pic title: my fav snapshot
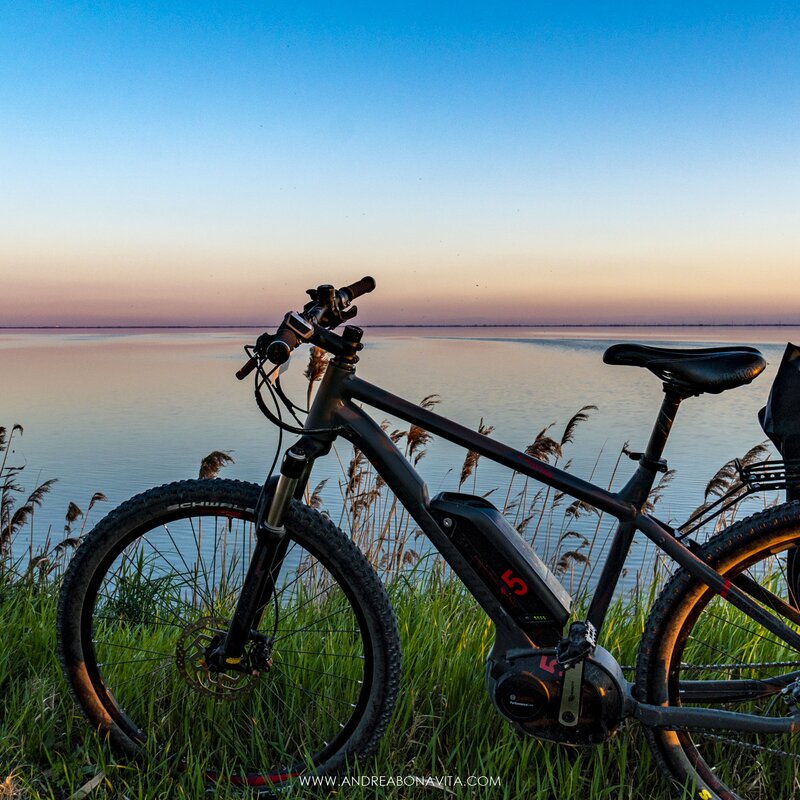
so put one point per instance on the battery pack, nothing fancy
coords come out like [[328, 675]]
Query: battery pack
[[508, 564]]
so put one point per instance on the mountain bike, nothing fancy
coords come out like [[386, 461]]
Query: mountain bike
[[230, 622]]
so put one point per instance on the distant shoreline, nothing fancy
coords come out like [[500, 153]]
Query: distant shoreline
[[415, 325]]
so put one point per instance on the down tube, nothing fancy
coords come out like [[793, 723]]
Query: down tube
[[412, 493]]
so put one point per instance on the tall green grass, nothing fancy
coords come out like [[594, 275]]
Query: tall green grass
[[444, 724]]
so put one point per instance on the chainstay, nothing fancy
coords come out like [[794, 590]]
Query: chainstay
[[710, 734], [760, 748]]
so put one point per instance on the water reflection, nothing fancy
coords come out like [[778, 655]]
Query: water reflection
[[120, 411]]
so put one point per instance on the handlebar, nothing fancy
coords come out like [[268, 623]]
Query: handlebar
[[364, 286], [327, 308], [280, 348], [244, 371]]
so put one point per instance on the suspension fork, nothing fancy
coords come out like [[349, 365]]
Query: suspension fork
[[267, 558]]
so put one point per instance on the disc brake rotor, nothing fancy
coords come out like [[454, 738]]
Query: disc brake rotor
[[190, 656]]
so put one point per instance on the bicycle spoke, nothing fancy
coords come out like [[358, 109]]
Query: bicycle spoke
[[163, 606]]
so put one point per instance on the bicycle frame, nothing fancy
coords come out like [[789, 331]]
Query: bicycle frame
[[336, 409]]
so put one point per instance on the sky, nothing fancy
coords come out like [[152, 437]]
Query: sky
[[206, 162]]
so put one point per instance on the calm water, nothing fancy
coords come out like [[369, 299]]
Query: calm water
[[120, 411]]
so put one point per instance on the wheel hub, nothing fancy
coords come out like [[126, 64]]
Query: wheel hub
[[191, 656]]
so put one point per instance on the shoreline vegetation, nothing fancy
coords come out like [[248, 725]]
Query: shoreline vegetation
[[444, 724]]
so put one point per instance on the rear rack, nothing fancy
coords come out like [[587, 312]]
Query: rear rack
[[762, 476]]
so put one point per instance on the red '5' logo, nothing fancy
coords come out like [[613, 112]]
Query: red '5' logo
[[517, 584]]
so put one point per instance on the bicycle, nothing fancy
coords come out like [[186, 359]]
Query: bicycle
[[283, 643]]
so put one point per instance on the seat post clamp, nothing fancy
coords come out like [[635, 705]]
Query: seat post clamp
[[649, 463]]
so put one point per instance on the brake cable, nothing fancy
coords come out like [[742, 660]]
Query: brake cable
[[262, 379], [288, 402]]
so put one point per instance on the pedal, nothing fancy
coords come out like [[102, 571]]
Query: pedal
[[579, 643]]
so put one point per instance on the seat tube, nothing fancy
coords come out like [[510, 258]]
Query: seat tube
[[636, 492]]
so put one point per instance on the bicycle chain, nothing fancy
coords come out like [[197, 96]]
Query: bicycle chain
[[701, 667], [738, 742]]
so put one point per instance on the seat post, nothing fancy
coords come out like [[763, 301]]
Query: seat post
[[663, 425]]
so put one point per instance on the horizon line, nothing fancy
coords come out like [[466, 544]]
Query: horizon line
[[426, 325]]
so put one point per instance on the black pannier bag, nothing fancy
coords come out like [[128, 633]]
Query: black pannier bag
[[780, 419]]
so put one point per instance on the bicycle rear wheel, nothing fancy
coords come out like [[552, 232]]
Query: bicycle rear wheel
[[693, 637], [150, 592]]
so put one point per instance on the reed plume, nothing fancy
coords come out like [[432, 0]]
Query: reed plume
[[472, 458], [5, 446], [417, 438], [315, 500], [657, 492], [73, 512], [544, 447], [97, 497], [577, 418], [317, 362], [355, 474], [568, 558], [725, 477], [23, 512], [563, 559], [578, 508], [213, 463]]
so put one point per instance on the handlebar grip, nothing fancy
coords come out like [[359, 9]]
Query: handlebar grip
[[280, 348], [358, 288], [242, 373]]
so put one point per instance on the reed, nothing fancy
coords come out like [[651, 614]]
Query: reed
[[36, 562], [443, 724]]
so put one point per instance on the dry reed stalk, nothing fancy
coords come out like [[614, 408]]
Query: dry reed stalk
[[623, 451], [317, 363], [724, 480], [544, 447], [97, 497], [471, 461], [73, 512], [417, 438], [11, 523], [5, 444]]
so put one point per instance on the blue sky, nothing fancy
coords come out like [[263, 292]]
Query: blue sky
[[191, 162]]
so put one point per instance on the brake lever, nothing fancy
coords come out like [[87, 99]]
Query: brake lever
[[349, 313]]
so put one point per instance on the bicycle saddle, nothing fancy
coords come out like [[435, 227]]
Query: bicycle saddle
[[698, 370]]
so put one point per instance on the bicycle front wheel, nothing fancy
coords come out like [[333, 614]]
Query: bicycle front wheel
[[698, 650], [150, 593]]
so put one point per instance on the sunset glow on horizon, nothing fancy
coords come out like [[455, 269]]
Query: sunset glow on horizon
[[202, 163]]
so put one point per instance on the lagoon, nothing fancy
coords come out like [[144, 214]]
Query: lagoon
[[118, 411]]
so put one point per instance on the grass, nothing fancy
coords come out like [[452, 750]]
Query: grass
[[444, 724]]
